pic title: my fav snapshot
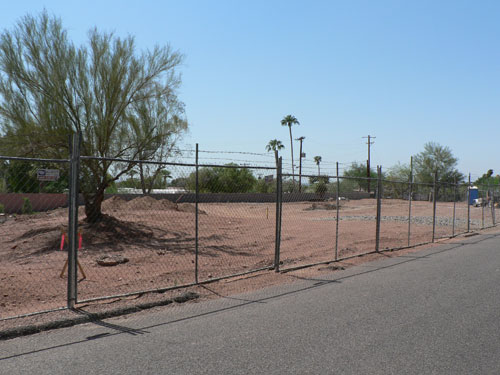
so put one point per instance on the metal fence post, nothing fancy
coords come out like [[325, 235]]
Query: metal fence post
[[454, 207], [337, 204], [278, 216], [493, 207], [379, 203], [482, 210], [410, 199], [468, 206], [73, 220], [491, 202], [196, 219], [434, 200]]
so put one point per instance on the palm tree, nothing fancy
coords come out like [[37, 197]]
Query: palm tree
[[290, 120], [274, 145], [317, 160], [164, 174]]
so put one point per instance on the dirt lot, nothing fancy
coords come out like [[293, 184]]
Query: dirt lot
[[157, 238]]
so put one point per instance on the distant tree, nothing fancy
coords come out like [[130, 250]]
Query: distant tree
[[398, 177], [222, 180], [399, 172], [288, 186], [321, 188], [436, 158], [290, 120], [317, 160], [262, 186], [115, 97], [274, 145], [488, 179], [161, 115], [357, 171]]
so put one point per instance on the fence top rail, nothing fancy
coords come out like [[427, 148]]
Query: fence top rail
[[34, 159], [175, 164]]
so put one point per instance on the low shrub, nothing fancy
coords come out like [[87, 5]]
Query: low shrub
[[27, 207]]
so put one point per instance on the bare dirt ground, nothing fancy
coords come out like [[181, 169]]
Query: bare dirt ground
[[157, 238]]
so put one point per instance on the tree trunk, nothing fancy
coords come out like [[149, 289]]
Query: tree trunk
[[93, 202], [143, 183]]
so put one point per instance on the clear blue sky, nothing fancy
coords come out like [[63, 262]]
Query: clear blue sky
[[406, 72]]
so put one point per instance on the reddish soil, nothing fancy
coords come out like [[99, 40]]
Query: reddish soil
[[158, 239]]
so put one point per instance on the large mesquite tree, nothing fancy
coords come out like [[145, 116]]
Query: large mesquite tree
[[123, 102]]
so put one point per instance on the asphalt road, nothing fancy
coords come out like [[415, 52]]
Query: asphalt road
[[432, 312]]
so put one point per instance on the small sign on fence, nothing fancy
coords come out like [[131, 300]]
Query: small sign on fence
[[47, 174]]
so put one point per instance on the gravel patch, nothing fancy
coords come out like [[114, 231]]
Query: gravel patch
[[421, 220]]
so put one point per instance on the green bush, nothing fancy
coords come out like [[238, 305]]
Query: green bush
[[320, 188], [2, 208], [27, 208]]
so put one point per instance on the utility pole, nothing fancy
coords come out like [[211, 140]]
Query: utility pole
[[300, 139], [369, 143]]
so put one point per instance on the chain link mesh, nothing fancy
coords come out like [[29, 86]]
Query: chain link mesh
[[157, 226], [33, 213]]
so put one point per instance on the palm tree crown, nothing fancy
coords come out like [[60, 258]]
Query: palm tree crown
[[290, 120], [317, 160], [274, 145]]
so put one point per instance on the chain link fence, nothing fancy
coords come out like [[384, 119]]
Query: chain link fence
[[33, 217], [166, 225]]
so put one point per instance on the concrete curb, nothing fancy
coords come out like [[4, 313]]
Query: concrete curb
[[87, 317]]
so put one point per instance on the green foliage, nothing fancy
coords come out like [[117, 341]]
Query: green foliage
[[398, 172], [358, 171], [397, 181], [275, 145], [436, 158], [27, 209], [21, 178], [289, 186], [320, 188], [146, 183], [112, 188], [261, 186], [222, 180], [2, 208], [488, 179], [124, 103]]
